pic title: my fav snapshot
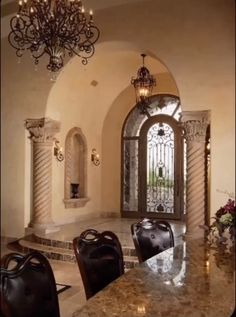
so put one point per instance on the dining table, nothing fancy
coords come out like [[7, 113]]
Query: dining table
[[192, 279]]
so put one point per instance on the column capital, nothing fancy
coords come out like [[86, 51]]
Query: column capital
[[195, 125], [43, 129]]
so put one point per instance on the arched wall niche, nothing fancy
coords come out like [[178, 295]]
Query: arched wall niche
[[75, 182]]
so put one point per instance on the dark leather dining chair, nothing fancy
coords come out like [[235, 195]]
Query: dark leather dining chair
[[100, 259], [151, 237], [27, 286]]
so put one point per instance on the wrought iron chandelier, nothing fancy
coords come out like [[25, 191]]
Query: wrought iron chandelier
[[143, 86], [53, 27]]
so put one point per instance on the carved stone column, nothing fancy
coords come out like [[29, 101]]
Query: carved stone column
[[42, 132], [195, 125]]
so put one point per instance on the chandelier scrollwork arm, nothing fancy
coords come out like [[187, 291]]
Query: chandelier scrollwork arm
[[54, 28]]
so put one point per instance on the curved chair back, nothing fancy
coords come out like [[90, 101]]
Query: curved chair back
[[151, 237], [27, 286], [100, 259]]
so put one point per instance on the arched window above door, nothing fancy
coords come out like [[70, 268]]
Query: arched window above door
[[160, 104]]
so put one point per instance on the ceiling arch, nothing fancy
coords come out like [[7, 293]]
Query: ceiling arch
[[105, 76]]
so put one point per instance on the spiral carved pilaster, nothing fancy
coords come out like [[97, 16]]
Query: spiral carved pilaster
[[42, 132], [42, 186], [195, 187], [195, 125]]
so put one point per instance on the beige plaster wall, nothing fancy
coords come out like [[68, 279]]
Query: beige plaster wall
[[194, 39], [23, 95], [82, 104]]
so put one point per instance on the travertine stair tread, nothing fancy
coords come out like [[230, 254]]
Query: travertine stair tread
[[125, 248], [130, 258], [129, 247], [44, 248], [49, 249]]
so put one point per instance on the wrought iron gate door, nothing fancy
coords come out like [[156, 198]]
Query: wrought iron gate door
[[161, 168]]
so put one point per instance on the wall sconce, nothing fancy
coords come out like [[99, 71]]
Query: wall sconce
[[58, 151], [95, 157]]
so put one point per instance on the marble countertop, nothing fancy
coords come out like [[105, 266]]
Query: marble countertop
[[189, 280]]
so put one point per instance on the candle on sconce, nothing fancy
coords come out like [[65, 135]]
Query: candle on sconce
[[207, 266], [91, 14]]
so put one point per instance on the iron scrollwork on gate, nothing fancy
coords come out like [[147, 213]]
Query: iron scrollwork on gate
[[160, 168]]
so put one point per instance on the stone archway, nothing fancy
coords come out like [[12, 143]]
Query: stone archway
[[152, 183]]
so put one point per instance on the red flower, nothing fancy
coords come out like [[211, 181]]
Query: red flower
[[228, 208], [220, 212]]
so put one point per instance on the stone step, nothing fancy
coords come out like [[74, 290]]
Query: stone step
[[130, 262], [63, 251], [127, 250], [50, 252]]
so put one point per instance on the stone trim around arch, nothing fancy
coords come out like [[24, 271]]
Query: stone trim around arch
[[75, 169]]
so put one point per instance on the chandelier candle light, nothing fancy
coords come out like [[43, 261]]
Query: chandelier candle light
[[53, 27]]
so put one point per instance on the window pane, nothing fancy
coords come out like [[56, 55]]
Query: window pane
[[130, 178], [134, 123]]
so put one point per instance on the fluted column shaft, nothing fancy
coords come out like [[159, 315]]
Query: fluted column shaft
[[42, 133], [195, 125]]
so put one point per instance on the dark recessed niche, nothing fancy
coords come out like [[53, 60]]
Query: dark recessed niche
[[75, 169]]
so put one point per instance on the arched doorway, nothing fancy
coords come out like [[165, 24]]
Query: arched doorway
[[153, 169]]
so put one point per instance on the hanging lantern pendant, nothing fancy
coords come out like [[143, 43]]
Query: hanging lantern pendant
[[143, 85]]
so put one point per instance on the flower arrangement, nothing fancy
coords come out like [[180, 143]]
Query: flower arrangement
[[224, 223]]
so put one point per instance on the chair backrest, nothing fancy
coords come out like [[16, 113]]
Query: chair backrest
[[151, 237], [27, 286], [100, 259]]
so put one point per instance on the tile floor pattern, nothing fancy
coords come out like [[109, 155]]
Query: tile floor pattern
[[68, 273]]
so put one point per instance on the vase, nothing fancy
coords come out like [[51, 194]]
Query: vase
[[74, 190]]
